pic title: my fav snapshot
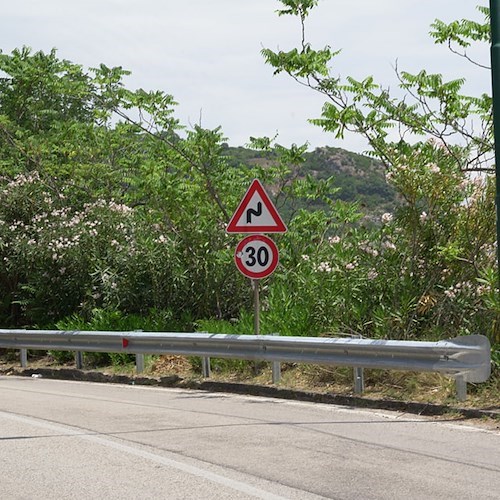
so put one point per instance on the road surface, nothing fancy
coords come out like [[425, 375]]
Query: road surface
[[64, 440]]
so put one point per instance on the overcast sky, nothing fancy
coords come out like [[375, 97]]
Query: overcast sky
[[206, 53]]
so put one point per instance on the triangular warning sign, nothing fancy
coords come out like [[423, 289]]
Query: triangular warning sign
[[256, 213]]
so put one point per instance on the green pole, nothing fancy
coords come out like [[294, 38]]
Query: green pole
[[495, 79]]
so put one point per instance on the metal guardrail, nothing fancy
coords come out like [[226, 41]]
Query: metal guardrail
[[466, 358]]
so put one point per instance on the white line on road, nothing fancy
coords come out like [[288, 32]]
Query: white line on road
[[159, 459]]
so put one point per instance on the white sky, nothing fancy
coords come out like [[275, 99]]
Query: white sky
[[206, 53]]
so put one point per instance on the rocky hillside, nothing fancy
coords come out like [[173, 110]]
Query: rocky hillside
[[360, 178]]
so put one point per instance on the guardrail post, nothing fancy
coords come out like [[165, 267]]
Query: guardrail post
[[24, 358], [139, 358], [205, 367], [139, 363], [276, 367], [79, 359], [359, 380], [461, 387], [359, 376]]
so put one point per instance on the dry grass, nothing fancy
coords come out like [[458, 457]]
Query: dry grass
[[429, 388]]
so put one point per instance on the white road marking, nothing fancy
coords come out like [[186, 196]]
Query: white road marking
[[159, 459]]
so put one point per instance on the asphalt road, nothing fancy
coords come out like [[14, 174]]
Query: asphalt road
[[64, 440]]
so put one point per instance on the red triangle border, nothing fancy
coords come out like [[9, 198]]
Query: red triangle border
[[279, 226]]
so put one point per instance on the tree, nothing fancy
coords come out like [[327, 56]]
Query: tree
[[68, 144], [429, 140], [104, 204], [430, 108]]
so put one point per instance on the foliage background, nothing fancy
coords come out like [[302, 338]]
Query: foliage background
[[110, 208]]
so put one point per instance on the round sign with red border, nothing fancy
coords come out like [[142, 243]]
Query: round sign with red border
[[256, 256]]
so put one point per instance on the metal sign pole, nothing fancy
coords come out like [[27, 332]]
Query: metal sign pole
[[256, 306], [495, 78], [256, 318]]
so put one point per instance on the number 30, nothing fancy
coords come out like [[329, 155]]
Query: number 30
[[262, 257]]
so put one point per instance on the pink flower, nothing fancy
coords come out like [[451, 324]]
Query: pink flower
[[386, 218]]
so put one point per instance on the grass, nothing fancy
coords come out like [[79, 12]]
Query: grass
[[431, 388]]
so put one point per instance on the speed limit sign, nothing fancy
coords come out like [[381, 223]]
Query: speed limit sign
[[256, 256]]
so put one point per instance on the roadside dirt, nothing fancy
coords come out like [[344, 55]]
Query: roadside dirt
[[408, 392]]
